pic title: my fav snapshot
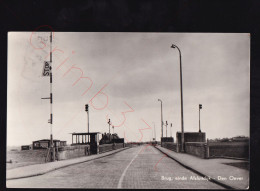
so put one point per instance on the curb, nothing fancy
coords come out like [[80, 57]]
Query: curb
[[199, 173], [45, 172], [234, 158]]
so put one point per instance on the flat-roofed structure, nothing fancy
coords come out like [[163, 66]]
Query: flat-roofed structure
[[26, 147], [82, 138], [91, 139], [45, 143]]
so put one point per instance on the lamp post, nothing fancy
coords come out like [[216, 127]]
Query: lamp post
[[200, 107], [154, 131], [182, 125], [161, 117]]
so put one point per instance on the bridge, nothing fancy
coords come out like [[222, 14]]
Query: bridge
[[146, 166]]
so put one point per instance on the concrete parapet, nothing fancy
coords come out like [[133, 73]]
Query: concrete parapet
[[229, 149], [109, 147], [105, 148], [74, 151], [199, 149], [170, 145]]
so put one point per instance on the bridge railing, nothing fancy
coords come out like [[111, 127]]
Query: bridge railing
[[199, 149], [170, 145], [109, 147]]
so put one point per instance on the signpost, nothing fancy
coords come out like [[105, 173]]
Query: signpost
[[46, 69]]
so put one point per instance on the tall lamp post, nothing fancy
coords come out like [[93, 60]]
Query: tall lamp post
[[200, 107], [182, 125], [154, 131], [161, 117]]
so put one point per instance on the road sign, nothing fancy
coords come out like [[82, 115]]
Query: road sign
[[46, 68]]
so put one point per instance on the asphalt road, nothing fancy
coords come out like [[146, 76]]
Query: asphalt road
[[138, 167]]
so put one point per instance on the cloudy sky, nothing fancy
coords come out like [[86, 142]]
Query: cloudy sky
[[124, 74]]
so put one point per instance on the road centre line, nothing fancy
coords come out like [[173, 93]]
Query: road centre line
[[123, 174]]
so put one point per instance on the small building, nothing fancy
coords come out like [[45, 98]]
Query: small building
[[45, 143], [91, 139], [26, 147]]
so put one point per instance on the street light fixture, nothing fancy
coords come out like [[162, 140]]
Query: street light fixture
[[182, 125], [161, 117]]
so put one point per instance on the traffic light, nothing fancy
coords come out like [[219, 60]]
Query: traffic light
[[200, 106], [86, 107]]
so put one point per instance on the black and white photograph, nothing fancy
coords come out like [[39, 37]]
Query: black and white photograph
[[128, 110]]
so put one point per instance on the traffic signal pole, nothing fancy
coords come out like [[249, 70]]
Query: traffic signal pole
[[200, 107], [87, 110]]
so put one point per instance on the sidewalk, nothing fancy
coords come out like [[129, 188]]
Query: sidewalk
[[214, 169], [39, 169]]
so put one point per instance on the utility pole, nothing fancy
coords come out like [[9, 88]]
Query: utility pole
[[113, 129]]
